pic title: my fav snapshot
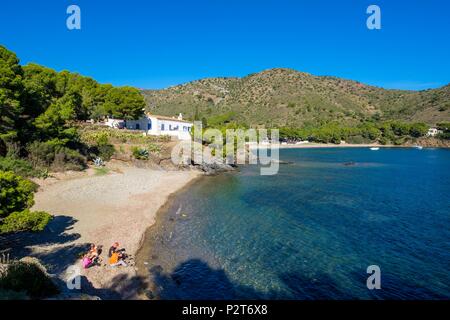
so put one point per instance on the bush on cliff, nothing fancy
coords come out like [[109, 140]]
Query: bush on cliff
[[27, 278]]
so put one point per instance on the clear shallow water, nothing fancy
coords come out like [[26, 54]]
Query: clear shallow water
[[311, 231]]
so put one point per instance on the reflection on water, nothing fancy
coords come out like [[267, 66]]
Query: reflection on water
[[311, 231]]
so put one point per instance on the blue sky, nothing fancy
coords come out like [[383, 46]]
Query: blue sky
[[154, 44]]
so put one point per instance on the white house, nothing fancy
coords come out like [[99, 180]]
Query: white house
[[115, 123], [432, 132], [162, 125]]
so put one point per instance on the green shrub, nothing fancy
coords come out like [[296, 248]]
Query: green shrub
[[444, 136], [25, 220], [16, 197], [444, 126], [16, 193], [92, 135], [418, 130], [13, 149], [28, 278], [139, 153], [399, 141], [358, 140], [41, 154], [444, 107], [102, 138], [19, 167], [154, 148], [51, 154], [400, 129], [105, 151], [68, 159], [384, 141]]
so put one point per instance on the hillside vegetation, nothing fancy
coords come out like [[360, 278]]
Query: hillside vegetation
[[288, 98], [39, 110]]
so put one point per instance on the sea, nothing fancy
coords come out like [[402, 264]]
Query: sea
[[334, 223]]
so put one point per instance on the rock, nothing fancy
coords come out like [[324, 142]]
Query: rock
[[149, 294], [156, 269], [215, 168], [37, 262]]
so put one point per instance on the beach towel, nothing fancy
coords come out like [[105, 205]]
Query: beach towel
[[86, 262]]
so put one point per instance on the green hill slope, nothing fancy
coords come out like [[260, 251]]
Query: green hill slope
[[285, 97]]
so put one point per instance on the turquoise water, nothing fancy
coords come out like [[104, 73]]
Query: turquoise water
[[311, 231]]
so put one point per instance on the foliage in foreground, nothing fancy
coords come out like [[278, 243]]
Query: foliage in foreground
[[26, 278], [16, 193], [16, 197], [25, 220]]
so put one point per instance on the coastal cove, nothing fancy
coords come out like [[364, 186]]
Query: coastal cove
[[214, 159], [309, 232]]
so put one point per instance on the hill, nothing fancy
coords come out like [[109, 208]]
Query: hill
[[285, 97]]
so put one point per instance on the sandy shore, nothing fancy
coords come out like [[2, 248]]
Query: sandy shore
[[332, 145], [89, 208]]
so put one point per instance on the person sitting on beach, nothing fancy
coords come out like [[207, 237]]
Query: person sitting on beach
[[116, 257], [113, 249], [93, 252], [86, 261]]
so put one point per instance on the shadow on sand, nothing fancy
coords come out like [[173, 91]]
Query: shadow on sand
[[56, 251], [123, 287]]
